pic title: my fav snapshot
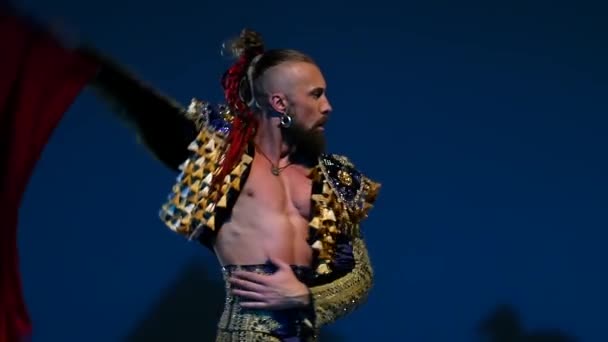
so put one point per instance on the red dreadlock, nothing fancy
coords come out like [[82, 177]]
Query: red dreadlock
[[244, 123]]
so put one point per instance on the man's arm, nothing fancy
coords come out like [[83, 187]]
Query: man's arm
[[341, 296], [160, 123], [352, 275], [331, 298]]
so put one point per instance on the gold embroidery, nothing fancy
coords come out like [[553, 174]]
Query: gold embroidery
[[345, 178], [239, 324], [342, 296], [244, 336], [370, 190]]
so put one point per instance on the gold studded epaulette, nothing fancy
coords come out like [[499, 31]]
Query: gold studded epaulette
[[341, 201], [353, 189], [192, 205]]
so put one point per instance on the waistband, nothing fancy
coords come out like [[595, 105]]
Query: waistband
[[279, 323]]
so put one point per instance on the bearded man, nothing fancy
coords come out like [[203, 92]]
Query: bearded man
[[255, 184]]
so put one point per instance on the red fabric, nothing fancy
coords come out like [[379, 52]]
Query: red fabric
[[39, 80]]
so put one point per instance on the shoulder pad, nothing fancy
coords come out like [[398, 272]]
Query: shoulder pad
[[207, 116], [353, 189]]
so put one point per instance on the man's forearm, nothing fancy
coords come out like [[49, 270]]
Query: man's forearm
[[159, 122]]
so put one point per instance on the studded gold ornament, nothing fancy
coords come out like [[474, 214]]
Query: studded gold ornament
[[345, 178]]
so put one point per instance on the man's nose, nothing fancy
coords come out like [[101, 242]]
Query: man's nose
[[326, 108]]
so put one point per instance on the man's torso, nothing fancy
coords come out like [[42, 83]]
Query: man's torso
[[269, 219]]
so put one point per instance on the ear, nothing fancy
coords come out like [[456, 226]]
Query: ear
[[278, 102]]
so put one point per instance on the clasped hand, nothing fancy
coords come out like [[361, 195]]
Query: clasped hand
[[277, 291]]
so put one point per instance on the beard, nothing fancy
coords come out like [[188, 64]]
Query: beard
[[309, 143]]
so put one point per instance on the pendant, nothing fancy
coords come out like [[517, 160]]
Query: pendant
[[275, 170]]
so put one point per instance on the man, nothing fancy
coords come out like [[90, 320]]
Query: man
[[281, 217]]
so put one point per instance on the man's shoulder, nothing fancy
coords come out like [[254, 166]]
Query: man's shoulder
[[341, 167], [351, 185], [207, 116]]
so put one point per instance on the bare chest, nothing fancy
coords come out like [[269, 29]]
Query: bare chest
[[288, 192]]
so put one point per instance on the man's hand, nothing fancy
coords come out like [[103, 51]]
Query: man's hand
[[277, 291]]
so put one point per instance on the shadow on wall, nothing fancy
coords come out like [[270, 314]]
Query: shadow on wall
[[189, 310], [504, 325]]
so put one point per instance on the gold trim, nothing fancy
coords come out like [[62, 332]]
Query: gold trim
[[343, 295]]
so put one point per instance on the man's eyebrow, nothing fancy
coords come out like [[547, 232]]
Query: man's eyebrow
[[317, 89]]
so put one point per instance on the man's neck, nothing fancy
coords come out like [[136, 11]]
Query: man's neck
[[269, 138]]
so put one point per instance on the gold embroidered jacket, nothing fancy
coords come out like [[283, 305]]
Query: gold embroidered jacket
[[193, 142], [341, 198]]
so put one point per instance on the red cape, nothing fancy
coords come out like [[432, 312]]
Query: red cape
[[39, 80]]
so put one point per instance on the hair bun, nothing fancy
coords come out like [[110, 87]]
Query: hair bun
[[247, 41]]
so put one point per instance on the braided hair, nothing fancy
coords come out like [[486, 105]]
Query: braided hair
[[236, 84]]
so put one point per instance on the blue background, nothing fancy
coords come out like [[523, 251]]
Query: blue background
[[486, 124]]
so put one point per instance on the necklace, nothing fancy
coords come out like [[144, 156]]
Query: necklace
[[275, 169]]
